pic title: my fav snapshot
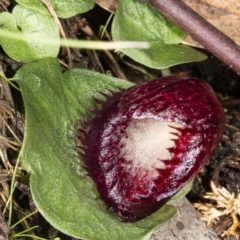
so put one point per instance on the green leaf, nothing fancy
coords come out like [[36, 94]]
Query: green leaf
[[138, 21], [63, 8], [36, 5], [182, 193], [31, 24], [164, 56], [64, 194]]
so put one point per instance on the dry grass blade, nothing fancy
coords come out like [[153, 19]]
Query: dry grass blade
[[10, 144]]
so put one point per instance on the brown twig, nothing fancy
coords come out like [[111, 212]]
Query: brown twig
[[202, 31], [109, 57], [57, 21]]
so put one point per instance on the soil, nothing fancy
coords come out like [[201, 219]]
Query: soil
[[223, 168]]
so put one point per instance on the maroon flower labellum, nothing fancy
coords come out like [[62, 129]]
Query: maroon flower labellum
[[145, 143]]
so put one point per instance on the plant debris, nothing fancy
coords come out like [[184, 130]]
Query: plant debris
[[224, 203]]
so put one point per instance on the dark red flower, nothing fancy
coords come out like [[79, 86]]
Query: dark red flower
[[145, 143]]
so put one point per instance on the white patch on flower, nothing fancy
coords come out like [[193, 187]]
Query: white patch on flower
[[146, 144]]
